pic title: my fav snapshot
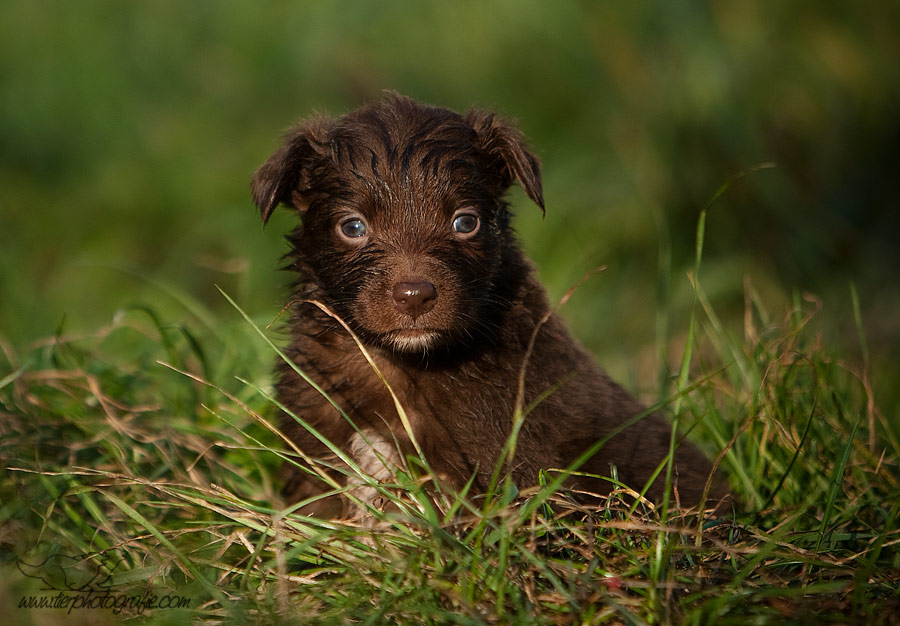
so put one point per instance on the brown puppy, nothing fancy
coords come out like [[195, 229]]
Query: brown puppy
[[405, 236]]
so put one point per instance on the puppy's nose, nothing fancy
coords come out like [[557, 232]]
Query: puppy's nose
[[414, 298]]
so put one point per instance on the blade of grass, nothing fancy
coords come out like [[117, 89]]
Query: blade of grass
[[793, 460], [864, 350], [838, 474], [10, 378]]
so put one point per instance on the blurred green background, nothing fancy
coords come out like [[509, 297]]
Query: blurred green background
[[129, 133]]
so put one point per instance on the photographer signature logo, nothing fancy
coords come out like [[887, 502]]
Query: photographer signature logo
[[83, 583], [61, 572]]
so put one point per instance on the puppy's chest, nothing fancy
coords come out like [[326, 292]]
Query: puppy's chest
[[436, 402], [445, 406]]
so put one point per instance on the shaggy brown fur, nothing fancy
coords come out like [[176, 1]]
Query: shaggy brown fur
[[405, 236]]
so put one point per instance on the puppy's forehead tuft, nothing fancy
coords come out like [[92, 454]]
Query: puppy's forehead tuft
[[398, 134]]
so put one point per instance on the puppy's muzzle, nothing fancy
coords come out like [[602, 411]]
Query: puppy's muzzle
[[414, 298]]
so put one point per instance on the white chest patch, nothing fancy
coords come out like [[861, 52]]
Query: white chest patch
[[377, 456]]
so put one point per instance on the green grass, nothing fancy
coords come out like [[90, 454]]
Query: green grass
[[145, 453]]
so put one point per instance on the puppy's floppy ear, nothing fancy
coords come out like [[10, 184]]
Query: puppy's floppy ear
[[500, 139], [281, 178]]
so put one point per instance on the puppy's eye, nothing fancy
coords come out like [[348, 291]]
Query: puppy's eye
[[353, 228], [465, 224]]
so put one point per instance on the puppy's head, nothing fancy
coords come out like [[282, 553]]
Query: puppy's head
[[404, 227]]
